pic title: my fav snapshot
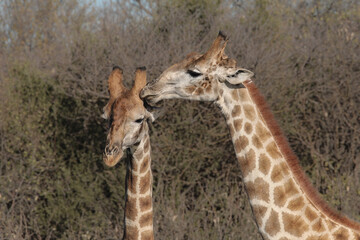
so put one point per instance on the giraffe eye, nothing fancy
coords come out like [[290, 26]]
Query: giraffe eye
[[194, 73], [140, 120]]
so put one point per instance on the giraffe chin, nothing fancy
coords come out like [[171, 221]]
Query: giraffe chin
[[153, 102], [112, 160]]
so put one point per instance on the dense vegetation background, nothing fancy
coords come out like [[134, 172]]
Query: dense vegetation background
[[55, 57]]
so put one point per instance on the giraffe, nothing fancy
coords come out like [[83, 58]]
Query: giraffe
[[128, 127], [284, 203]]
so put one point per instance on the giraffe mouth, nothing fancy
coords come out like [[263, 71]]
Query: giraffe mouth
[[152, 102], [112, 159]]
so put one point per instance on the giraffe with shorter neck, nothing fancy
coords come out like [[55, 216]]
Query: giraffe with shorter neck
[[283, 201], [128, 127]]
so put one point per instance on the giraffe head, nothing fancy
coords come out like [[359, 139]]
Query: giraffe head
[[198, 76], [126, 113]]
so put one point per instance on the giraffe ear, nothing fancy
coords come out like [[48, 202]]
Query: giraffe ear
[[140, 80], [239, 76], [116, 87]]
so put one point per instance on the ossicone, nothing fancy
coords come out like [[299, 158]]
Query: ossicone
[[223, 35], [140, 80], [117, 67], [115, 87]]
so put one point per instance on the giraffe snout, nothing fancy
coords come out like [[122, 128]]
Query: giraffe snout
[[112, 154], [111, 150]]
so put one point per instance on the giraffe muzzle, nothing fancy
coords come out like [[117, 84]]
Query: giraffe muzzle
[[111, 150], [112, 155], [152, 101]]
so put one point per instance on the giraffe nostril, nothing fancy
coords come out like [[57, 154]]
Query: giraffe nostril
[[111, 150], [107, 150], [115, 150]]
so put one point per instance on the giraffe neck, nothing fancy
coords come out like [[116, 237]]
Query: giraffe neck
[[284, 204], [138, 204]]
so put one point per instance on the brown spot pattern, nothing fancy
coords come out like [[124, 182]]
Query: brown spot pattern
[[238, 124], [199, 91], [147, 235], [235, 95], [310, 214], [262, 132], [208, 88], [282, 193], [236, 111], [296, 204], [249, 112], [247, 163], [259, 189], [134, 166], [138, 155], [145, 203], [146, 219], [256, 141], [264, 164], [357, 235], [279, 196], [190, 89], [241, 143], [331, 225], [285, 168], [273, 150], [279, 172], [130, 208], [322, 237], [131, 233], [145, 183], [276, 174], [259, 212], [341, 234], [318, 226], [294, 225], [272, 225], [290, 188], [244, 96], [146, 145], [248, 128], [145, 165]]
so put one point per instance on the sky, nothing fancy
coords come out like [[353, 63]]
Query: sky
[[98, 2]]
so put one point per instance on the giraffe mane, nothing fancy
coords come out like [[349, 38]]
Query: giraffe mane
[[293, 161]]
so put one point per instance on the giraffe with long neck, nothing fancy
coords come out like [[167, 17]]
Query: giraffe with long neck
[[128, 127], [284, 203]]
